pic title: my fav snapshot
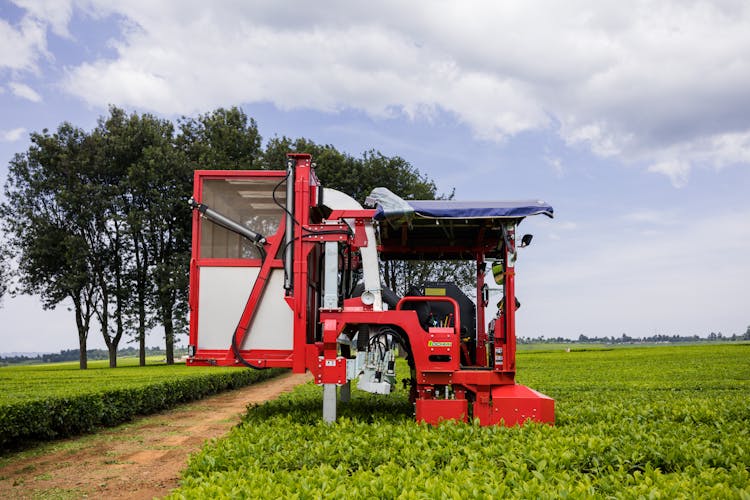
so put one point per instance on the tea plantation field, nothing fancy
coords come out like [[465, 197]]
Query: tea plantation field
[[653, 422], [39, 402]]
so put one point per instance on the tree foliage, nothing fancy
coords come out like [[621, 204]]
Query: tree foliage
[[48, 224], [146, 183], [4, 273], [357, 177], [222, 139], [100, 218]]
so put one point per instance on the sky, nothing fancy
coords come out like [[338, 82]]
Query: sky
[[632, 119]]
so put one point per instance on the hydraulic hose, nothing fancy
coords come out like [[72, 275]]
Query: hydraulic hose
[[222, 220]]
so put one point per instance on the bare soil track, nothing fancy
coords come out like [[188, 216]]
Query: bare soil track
[[140, 459]]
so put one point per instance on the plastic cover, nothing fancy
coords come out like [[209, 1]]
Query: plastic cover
[[394, 208], [389, 205]]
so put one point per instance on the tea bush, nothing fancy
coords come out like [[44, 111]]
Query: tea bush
[[51, 401], [657, 422]]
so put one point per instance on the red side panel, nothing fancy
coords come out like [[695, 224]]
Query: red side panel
[[432, 411], [514, 404]]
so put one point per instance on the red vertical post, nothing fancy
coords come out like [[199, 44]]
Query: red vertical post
[[509, 356], [299, 269], [195, 248], [481, 339]]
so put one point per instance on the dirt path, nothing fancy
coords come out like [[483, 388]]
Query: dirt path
[[140, 459]]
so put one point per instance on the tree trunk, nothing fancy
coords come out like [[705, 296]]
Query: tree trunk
[[387, 275], [141, 268], [120, 294], [83, 361], [119, 300], [112, 348], [141, 327], [83, 334], [169, 335], [104, 320], [166, 294], [116, 339]]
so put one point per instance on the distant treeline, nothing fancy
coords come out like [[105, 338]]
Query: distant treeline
[[626, 339], [91, 354]]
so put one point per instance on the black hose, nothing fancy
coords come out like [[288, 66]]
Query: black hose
[[235, 347], [238, 355]]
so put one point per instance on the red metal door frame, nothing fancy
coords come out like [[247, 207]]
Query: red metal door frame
[[225, 357]]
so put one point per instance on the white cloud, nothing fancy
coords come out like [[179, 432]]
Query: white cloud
[[652, 217], [678, 171], [562, 230], [56, 13], [25, 43], [732, 147], [12, 135], [649, 84], [22, 46], [596, 136], [24, 91], [556, 164]]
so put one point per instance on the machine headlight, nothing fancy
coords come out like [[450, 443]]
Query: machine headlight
[[368, 298]]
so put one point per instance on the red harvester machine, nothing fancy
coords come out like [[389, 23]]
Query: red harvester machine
[[285, 273]]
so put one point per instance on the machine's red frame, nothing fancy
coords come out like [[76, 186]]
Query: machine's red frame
[[488, 385]]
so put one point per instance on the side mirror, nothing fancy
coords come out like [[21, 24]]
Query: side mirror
[[526, 240]]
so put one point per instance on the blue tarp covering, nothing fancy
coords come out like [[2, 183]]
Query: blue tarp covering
[[479, 209], [389, 206]]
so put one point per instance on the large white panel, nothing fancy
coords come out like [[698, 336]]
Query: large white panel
[[273, 323], [222, 297]]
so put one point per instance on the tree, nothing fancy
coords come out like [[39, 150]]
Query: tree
[[334, 169], [222, 139], [151, 207], [101, 219], [107, 239], [168, 227], [45, 226], [357, 177], [4, 272], [396, 174], [400, 177]]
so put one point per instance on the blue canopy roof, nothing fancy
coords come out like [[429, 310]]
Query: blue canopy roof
[[446, 229], [449, 209], [390, 207]]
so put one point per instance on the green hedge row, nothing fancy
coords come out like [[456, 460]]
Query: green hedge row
[[56, 417]]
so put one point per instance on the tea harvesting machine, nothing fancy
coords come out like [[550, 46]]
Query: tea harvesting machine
[[286, 273]]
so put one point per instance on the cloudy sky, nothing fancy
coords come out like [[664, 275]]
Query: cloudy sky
[[631, 118]]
